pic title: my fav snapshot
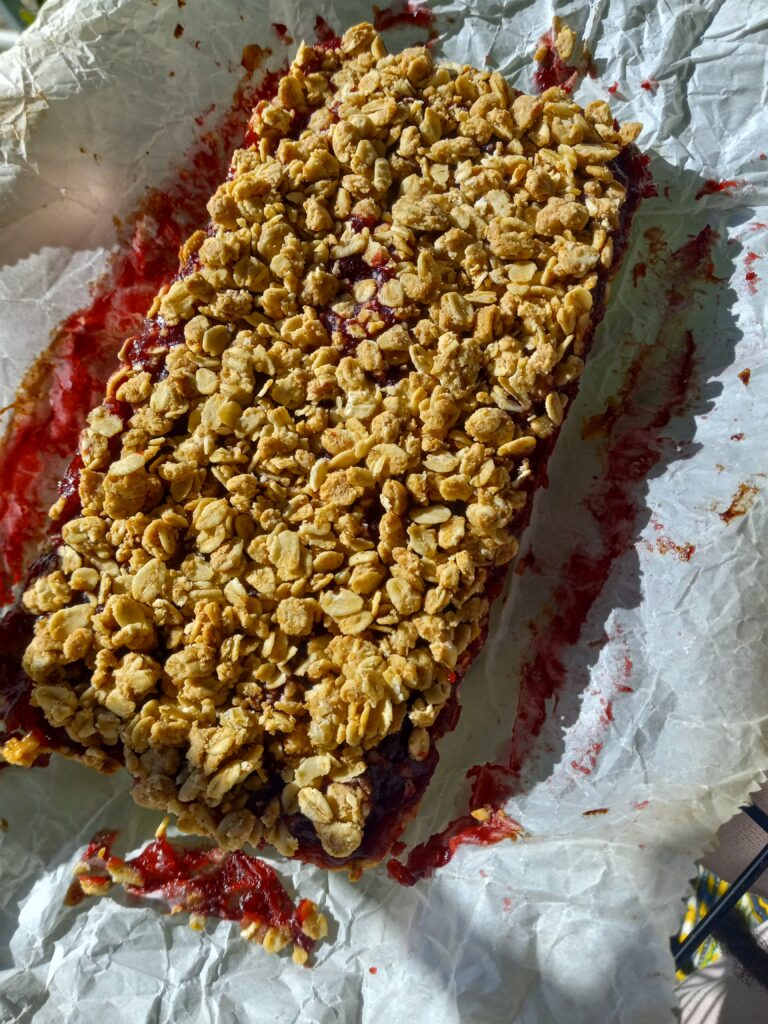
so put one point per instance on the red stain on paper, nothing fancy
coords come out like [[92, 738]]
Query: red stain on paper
[[68, 379], [405, 13], [751, 275], [282, 33], [712, 186], [200, 880], [639, 270], [425, 859], [664, 545]]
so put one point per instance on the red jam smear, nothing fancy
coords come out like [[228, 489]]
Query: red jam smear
[[633, 426], [438, 850], [751, 275], [712, 186], [325, 35], [406, 13], [73, 371], [207, 881], [350, 270], [552, 70]]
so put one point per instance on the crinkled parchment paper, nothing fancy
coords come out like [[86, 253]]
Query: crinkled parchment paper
[[572, 923]]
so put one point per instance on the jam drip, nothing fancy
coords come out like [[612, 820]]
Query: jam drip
[[552, 70], [199, 880], [68, 380], [493, 784]]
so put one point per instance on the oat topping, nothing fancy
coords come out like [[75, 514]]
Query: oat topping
[[290, 517]]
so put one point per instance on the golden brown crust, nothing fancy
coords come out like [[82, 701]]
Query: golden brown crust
[[285, 543]]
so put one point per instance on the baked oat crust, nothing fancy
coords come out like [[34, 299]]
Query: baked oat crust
[[313, 461]]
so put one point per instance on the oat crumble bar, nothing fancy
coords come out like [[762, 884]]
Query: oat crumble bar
[[290, 515]]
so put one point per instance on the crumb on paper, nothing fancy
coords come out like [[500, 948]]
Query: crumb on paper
[[741, 502]]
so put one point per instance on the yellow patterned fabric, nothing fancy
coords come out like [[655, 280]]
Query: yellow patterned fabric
[[707, 889]]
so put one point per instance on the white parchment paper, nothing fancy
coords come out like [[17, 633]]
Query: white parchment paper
[[572, 923]]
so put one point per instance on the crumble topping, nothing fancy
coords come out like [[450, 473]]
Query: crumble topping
[[292, 510]]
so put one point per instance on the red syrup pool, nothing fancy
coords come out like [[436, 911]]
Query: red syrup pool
[[199, 880]]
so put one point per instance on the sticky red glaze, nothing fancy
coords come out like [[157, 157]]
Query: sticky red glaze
[[639, 270], [282, 32], [203, 880], [404, 13], [435, 853], [712, 185], [325, 35], [350, 270], [44, 430], [551, 70]]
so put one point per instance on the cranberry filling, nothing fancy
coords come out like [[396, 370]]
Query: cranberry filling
[[203, 880], [350, 270], [552, 71]]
